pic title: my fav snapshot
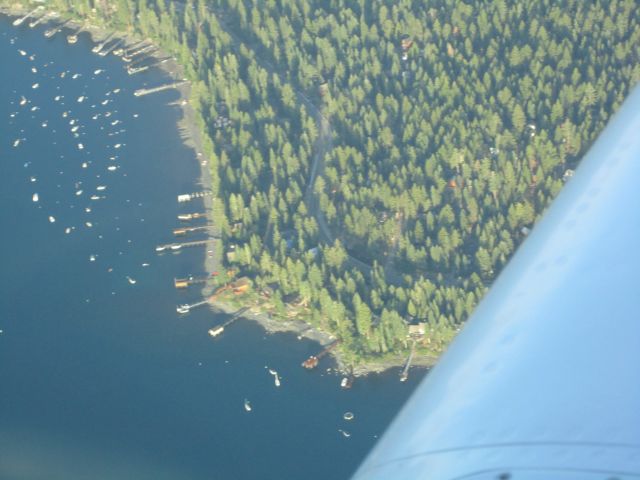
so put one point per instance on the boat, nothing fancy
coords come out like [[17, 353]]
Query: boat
[[131, 280], [159, 249], [176, 247], [182, 308], [100, 188], [345, 433], [35, 197], [277, 380], [71, 39], [52, 219], [346, 382], [348, 416], [214, 332], [247, 405], [185, 217]]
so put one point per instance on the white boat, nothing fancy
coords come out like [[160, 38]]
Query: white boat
[[131, 280], [71, 39], [16, 143], [100, 188], [94, 197], [35, 197], [23, 101], [182, 309], [52, 219], [247, 405], [348, 416], [176, 247], [78, 192], [214, 332], [112, 168], [277, 380], [159, 249]]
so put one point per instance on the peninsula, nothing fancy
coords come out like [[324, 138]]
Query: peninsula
[[373, 165]]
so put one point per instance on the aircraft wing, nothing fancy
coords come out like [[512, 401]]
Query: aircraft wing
[[544, 380]]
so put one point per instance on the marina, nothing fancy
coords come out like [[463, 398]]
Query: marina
[[113, 305]]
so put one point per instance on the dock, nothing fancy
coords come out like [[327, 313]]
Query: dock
[[108, 50], [101, 45], [185, 217], [147, 91], [405, 371], [52, 31], [178, 232], [38, 20], [127, 57], [187, 307], [313, 360], [133, 70], [219, 329], [178, 246], [191, 280], [18, 21], [187, 197]]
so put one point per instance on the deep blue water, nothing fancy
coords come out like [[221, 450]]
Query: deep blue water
[[100, 378]]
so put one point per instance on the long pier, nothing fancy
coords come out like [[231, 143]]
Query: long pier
[[191, 280], [146, 49], [185, 217], [187, 307], [218, 329], [186, 197], [405, 371], [146, 91], [178, 246], [183, 231]]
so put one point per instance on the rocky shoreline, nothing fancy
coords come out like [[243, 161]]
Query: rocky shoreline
[[192, 138]]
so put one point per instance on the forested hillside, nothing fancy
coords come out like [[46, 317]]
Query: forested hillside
[[376, 163]]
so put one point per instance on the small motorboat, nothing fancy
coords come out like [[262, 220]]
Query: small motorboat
[[247, 405]]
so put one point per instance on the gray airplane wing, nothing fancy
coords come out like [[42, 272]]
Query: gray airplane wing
[[544, 380]]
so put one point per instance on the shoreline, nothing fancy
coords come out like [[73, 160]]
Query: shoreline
[[191, 137]]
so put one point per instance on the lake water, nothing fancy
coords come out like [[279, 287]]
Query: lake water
[[99, 377]]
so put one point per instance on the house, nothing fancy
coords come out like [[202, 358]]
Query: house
[[417, 331]]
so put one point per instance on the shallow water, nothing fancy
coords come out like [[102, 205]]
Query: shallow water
[[100, 378]]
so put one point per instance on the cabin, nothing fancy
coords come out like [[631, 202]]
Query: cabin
[[406, 43], [241, 285], [417, 331]]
